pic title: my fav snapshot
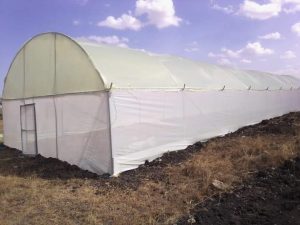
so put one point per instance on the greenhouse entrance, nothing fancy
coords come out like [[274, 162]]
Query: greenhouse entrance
[[28, 129]]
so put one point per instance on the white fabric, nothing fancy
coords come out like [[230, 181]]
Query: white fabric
[[12, 124], [82, 129], [50, 64], [145, 124], [53, 63], [129, 68]]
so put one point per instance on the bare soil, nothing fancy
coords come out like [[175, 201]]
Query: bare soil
[[175, 188], [271, 197]]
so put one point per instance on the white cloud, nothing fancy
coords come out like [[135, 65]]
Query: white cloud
[[160, 13], [226, 9], [254, 48], [296, 28], [247, 61], [257, 49], [76, 22], [271, 36], [226, 53], [258, 11], [269, 9], [288, 55], [224, 62], [292, 6], [216, 55], [109, 40], [230, 57], [294, 9], [292, 1], [192, 47], [231, 53], [126, 21]]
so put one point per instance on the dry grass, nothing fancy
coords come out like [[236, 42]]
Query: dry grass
[[231, 159]]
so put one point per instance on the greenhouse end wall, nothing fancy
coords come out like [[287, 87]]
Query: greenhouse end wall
[[73, 128]]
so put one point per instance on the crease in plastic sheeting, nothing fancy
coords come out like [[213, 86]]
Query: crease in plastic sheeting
[[86, 158], [93, 151]]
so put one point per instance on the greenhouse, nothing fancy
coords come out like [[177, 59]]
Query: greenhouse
[[108, 109]]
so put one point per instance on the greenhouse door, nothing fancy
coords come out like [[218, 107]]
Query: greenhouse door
[[28, 129]]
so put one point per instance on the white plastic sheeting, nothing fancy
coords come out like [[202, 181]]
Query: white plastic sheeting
[[52, 64], [72, 128], [145, 124], [129, 68], [108, 109]]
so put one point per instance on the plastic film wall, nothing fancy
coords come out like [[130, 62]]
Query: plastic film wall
[[145, 124], [72, 128], [50, 64]]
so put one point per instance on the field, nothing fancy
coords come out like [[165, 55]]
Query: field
[[246, 177]]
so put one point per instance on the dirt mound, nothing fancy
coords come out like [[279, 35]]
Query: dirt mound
[[285, 124], [271, 197], [13, 162]]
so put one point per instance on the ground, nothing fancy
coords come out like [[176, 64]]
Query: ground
[[227, 180], [270, 197]]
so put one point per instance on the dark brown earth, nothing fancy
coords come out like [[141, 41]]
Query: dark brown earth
[[270, 197], [15, 163]]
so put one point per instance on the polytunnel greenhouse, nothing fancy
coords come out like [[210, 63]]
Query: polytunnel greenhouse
[[109, 109]]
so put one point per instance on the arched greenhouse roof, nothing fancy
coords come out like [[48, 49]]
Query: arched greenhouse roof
[[52, 64]]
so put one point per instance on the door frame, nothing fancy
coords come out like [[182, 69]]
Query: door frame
[[35, 127]]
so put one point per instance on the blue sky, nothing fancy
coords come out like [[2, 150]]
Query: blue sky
[[262, 35]]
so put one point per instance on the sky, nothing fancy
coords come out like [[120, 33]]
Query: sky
[[249, 34]]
